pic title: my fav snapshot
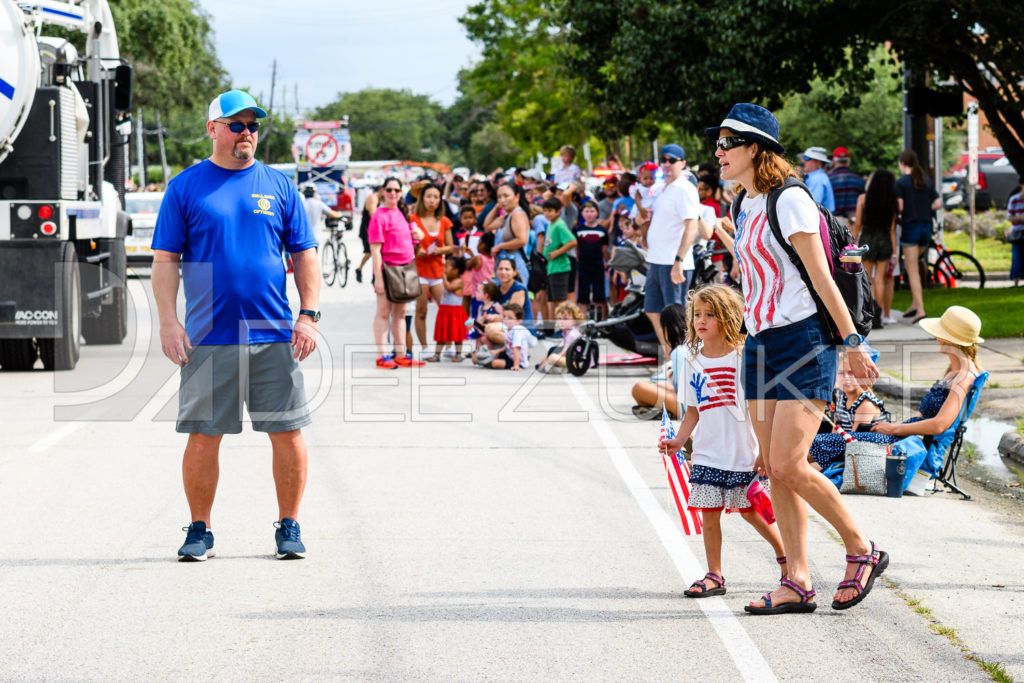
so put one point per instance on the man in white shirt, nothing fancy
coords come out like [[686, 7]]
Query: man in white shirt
[[670, 239], [316, 209]]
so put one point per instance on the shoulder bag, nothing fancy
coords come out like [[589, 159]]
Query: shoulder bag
[[401, 283], [864, 471]]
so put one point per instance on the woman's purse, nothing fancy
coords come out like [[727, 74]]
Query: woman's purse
[[864, 471], [401, 283]]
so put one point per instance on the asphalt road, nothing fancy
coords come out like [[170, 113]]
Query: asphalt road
[[462, 524]]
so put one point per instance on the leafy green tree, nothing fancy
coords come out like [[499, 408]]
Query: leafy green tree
[[491, 147], [537, 100], [871, 131], [170, 47], [689, 61], [389, 124]]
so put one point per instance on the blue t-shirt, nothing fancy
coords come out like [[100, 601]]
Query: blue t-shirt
[[821, 188], [230, 228]]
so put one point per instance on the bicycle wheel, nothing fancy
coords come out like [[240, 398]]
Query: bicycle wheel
[[959, 269], [343, 264], [328, 263]]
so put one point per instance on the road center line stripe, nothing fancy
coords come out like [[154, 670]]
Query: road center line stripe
[[55, 436], [745, 655]]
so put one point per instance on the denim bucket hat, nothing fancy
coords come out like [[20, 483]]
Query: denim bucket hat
[[753, 122]]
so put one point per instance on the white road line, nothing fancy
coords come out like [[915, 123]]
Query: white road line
[[55, 436], [745, 655]]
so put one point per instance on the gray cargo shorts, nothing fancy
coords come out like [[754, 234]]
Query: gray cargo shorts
[[219, 379]]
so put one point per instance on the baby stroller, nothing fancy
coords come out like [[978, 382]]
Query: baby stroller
[[626, 325]]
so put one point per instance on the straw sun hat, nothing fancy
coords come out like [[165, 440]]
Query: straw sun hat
[[958, 325]]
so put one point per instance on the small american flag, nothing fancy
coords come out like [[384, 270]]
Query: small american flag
[[678, 472]]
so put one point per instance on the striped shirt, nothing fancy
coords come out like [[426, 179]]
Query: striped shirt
[[846, 187]]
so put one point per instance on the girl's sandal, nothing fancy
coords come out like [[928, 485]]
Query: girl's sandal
[[704, 591], [433, 359], [805, 606], [878, 559], [457, 359]]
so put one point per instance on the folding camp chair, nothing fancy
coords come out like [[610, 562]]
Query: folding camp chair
[[947, 474], [937, 455]]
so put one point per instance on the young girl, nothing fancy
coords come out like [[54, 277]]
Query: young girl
[[489, 311], [479, 268], [725, 447], [568, 316], [449, 325]]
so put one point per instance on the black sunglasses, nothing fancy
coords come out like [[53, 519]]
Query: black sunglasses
[[237, 126], [392, 189], [669, 160], [725, 144]]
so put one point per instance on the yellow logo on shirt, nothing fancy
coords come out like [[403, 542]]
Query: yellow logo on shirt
[[263, 202]]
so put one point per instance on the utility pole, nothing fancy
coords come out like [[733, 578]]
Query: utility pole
[[163, 150], [270, 117], [140, 150], [296, 98]]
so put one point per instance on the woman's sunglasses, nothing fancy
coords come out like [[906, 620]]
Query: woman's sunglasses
[[237, 127], [389, 190], [725, 144]]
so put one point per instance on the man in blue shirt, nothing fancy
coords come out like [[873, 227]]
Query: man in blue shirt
[[815, 160], [226, 221]]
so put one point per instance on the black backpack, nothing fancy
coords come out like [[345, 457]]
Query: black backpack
[[855, 288]]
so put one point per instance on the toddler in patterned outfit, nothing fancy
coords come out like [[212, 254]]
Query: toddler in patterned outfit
[[725, 449]]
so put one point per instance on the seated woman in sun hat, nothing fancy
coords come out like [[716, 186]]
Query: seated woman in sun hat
[[957, 334]]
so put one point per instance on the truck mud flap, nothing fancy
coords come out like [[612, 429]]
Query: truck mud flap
[[30, 297]]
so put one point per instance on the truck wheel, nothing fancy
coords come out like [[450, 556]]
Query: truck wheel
[[111, 326], [63, 353], [17, 354]]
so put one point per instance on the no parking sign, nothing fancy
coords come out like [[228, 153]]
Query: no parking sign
[[322, 149]]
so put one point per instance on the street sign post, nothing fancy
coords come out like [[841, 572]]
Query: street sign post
[[972, 159]]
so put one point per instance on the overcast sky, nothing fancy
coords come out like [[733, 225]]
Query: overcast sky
[[332, 46]]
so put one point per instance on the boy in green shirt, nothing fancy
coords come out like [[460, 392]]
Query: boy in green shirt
[[558, 240]]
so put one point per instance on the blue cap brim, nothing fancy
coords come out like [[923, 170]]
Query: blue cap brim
[[259, 111]]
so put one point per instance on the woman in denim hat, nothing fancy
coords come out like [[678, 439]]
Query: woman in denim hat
[[789, 364]]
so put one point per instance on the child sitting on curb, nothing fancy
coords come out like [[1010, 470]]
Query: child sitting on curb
[[568, 316], [518, 340]]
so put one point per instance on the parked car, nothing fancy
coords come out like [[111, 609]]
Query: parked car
[[997, 180], [143, 208]]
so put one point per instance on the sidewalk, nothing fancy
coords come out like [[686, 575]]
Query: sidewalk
[[910, 364]]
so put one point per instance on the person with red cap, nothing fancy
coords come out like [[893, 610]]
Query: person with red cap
[[846, 185]]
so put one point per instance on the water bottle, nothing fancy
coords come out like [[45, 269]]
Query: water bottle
[[850, 256], [760, 500], [895, 473]]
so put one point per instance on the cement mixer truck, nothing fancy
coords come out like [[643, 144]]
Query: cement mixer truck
[[64, 131]]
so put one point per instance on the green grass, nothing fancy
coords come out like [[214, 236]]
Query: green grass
[[994, 255], [998, 308]]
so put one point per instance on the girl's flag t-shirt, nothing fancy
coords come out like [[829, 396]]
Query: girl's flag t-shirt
[[231, 228]]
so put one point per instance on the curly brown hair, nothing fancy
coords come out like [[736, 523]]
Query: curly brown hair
[[726, 305], [770, 171]]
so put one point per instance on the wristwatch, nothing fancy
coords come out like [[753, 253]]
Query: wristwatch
[[315, 315], [679, 259], [854, 340]]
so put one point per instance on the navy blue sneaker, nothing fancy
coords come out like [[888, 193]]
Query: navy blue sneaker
[[198, 543], [289, 540]]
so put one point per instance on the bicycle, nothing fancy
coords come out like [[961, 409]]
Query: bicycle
[[334, 261], [943, 268]]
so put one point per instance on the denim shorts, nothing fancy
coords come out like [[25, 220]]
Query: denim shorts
[[790, 363], [660, 291], [917, 234]]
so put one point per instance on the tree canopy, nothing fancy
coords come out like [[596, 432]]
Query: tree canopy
[[691, 60]]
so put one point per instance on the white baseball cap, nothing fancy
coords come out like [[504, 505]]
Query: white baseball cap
[[232, 102]]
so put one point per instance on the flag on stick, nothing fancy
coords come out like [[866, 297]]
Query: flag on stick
[[678, 472]]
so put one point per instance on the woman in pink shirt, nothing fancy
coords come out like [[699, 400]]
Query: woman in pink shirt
[[392, 241]]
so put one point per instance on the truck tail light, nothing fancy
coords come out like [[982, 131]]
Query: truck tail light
[[48, 228], [45, 212]]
